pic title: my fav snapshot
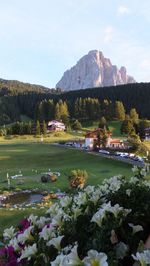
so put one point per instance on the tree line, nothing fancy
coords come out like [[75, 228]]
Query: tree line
[[91, 102]]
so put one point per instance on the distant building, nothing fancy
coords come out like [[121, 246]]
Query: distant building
[[91, 137], [115, 143], [55, 125]]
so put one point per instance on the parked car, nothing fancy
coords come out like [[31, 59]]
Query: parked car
[[104, 151], [69, 144]]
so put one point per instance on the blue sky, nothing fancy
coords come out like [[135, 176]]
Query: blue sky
[[40, 39]]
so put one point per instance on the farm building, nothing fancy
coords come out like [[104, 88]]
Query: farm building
[[55, 125], [91, 137]]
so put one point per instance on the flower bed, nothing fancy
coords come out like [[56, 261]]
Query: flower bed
[[99, 226]]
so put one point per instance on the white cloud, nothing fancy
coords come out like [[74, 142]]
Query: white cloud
[[108, 34], [123, 10]]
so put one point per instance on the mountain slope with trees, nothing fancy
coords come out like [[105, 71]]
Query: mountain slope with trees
[[81, 104], [14, 87]]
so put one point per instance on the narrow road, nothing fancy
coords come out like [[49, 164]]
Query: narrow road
[[117, 158]]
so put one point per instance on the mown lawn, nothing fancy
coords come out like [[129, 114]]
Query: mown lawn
[[31, 159]]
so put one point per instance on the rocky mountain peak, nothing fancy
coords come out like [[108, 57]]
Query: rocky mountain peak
[[93, 70]]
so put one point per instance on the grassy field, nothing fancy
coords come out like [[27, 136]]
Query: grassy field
[[115, 126], [50, 138], [33, 159]]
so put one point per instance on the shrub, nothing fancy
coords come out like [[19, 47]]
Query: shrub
[[76, 125], [45, 178], [53, 178], [78, 178]]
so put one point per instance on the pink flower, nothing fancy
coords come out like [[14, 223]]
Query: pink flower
[[8, 256], [23, 225]]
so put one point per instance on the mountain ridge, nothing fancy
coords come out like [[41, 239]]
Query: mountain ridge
[[93, 70]]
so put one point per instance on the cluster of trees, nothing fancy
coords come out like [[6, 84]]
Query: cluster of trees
[[47, 110], [82, 109], [25, 128], [20, 128], [132, 124]]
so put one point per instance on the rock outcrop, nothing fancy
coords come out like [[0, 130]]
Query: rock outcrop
[[93, 70]]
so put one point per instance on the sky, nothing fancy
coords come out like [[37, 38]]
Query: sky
[[40, 39]]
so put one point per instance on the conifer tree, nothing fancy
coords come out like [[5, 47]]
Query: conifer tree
[[119, 110], [30, 128], [134, 115], [127, 126], [57, 112], [102, 123], [44, 128], [77, 125], [38, 129]]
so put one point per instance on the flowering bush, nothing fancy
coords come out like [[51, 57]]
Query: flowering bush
[[98, 226]]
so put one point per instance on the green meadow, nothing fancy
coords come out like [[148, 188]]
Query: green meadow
[[32, 159]]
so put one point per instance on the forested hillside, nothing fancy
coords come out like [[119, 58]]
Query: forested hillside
[[22, 101], [14, 87]]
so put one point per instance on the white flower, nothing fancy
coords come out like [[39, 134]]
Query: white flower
[[106, 207], [55, 242], [57, 219], [73, 258], [128, 192], [14, 243], [41, 222], [26, 235], [146, 183], [143, 172], [112, 184], [64, 202], [9, 233], [134, 180], [116, 209], [53, 210], [76, 212], [47, 233], [134, 169], [32, 218], [100, 214], [89, 189], [136, 228], [94, 198], [95, 259], [143, 257], [61, 260], [28, 252], [81, 199]]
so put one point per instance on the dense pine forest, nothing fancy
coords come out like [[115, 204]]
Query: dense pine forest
[[38, 102]]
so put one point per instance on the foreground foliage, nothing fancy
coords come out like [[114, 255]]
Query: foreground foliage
[[103, 225]]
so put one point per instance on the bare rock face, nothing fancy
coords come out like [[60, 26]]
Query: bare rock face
[[93, 70]]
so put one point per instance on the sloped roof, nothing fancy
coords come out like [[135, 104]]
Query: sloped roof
[[93, 134]]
